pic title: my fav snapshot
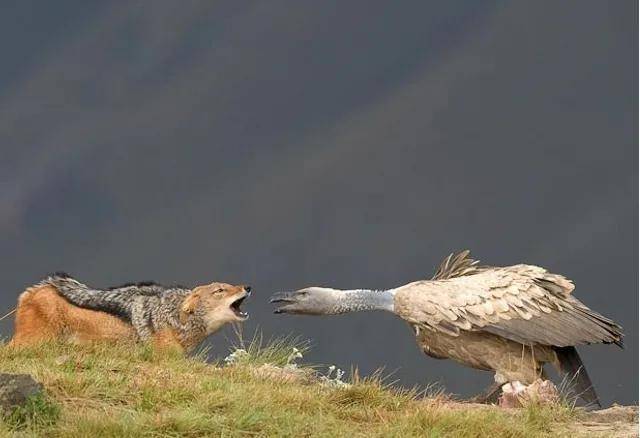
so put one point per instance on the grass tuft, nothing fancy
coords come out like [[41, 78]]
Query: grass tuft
[[280, 351], [38, 412]]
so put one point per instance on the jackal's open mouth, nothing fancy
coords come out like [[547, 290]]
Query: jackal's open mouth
[[236, 308]]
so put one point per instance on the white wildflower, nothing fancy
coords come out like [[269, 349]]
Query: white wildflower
[[291, 360], [336, 381], [236, 356]]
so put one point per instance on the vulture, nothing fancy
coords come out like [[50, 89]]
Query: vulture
[[509, 320]]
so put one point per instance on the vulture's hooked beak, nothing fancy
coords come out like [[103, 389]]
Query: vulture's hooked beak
[[288, 298]]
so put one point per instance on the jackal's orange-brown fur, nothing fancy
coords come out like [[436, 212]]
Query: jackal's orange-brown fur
[[43, 314]]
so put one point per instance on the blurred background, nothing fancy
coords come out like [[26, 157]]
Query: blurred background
[[348, 144]]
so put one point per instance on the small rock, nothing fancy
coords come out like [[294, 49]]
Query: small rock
[[286, 374], [15, 389]]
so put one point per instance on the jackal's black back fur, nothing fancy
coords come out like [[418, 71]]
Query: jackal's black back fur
[[144, 298]]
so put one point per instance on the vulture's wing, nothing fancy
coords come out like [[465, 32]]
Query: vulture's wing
[[523, 303]]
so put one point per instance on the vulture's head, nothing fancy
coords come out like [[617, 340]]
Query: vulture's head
[[308, 301]]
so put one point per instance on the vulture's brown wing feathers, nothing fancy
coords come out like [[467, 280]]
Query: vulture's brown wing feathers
[[573, 325], [523, 303]]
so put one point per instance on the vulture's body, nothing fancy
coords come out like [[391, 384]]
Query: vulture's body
[[510, 320]]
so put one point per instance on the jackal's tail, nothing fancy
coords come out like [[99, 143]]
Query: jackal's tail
[[114, 302]]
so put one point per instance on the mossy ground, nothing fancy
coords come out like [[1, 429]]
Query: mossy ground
[[130, 390]]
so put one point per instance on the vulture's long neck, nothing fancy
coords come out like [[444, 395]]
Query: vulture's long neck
[[357, 300]]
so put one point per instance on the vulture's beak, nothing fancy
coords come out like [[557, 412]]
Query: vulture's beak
[[287, 298]]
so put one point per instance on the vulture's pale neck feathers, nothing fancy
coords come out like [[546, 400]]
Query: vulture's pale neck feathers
[[357, 300]]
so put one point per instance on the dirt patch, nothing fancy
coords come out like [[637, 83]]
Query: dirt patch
[[616, 421]]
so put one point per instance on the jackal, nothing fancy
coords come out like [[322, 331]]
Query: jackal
[[61, 307]]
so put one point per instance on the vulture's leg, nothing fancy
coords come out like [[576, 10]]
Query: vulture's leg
[[489, 395]]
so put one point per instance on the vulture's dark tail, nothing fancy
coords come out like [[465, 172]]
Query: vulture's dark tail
[[575, 373]]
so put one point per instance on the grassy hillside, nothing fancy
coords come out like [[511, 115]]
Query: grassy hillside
[[124, 390]]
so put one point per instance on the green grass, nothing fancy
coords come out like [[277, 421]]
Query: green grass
[[124, 390], [39, 411]]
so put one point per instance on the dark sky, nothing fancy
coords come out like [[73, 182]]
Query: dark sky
[[348, 144]]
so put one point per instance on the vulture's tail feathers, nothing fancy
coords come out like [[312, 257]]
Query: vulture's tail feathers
[[573, 370]]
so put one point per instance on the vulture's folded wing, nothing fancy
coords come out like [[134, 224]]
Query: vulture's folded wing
[[523, 303]]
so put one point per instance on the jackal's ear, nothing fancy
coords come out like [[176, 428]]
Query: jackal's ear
[[189, 305]]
